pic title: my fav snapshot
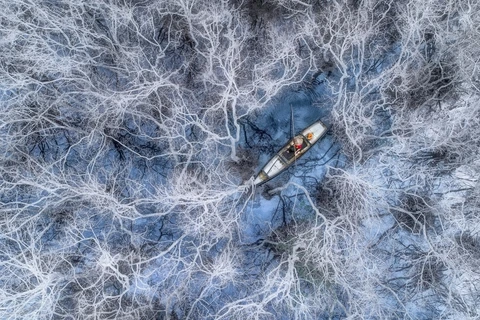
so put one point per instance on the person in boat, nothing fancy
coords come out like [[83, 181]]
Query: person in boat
[[297, 144]]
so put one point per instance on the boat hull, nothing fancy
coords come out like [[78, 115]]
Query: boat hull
[[287, 155]]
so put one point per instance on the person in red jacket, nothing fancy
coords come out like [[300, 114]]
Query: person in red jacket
[[298, 143]]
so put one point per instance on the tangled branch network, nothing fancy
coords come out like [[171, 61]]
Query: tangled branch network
[[129, 131]]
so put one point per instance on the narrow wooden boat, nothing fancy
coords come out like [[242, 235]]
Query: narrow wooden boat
[[292, 151]]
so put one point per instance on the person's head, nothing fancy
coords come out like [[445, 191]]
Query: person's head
[[310, 135], [298, 140]]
